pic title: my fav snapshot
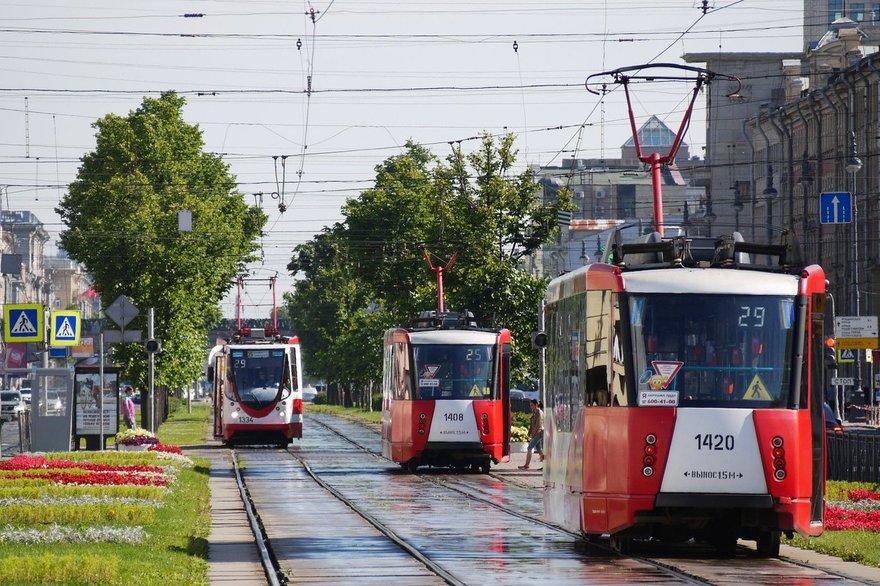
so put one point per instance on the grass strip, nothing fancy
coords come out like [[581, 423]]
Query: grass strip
[[66, 514], [73, 569]]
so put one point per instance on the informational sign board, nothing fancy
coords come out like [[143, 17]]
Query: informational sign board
[[856, 332], [91, 402]]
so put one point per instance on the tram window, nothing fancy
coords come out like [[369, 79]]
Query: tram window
[[714, 350], [597, 387], [456, 371], [401, 371]]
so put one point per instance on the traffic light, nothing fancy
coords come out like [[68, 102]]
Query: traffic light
[[153, 346], [539, 340], [830, 354]]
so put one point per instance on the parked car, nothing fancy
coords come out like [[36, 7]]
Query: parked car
[[520, 399], [26, 392], [309, 394], [833, 425], [11, 405]]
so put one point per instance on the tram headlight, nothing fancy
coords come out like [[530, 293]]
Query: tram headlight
[[779, 474], [647, 471], [234, 414]]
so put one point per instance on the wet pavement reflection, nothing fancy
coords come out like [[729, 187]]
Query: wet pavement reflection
[[475, 542]]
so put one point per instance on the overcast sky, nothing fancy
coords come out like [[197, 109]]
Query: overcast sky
[[381, 73]]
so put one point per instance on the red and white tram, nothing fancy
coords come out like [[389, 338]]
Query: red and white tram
[[256, 383], [257, 389], [684, 394], [446, 393]]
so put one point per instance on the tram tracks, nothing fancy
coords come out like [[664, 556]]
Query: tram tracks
[[339, 454]]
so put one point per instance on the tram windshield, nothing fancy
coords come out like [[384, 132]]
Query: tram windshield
[[258, 375], [712, 350], [460, 371]]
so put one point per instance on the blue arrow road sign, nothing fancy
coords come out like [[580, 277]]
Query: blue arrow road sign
[[835, 207]]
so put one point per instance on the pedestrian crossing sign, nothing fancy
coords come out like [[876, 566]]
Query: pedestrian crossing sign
[[23, 323], [65, 328]]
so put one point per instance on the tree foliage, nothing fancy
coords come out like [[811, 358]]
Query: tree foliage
[[369, 272], [121, 217]]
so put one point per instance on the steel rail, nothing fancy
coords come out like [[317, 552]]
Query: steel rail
[[270, 565]]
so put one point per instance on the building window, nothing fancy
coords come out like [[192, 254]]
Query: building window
[[626, 201], [857, 11], [875, 12], [835, 10]]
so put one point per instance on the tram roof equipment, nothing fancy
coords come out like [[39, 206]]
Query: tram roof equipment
[[652, 251]]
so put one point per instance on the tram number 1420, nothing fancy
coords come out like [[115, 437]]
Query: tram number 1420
[[708, 441]]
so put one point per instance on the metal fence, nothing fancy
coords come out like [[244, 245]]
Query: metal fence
[[854, 457]]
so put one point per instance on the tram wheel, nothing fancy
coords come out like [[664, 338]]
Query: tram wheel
[[725, 545], [622, 545], [485, 467], [411, 466], [768, 543]]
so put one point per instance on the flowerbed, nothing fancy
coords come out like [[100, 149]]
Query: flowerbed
[[135, 437], [860, 512], [67, 497]]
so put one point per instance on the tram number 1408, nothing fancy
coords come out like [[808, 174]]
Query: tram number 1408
[[716, 441], [454, 417]]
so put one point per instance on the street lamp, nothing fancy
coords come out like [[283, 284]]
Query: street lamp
[[770, 193], [853, 166], [737, 203]]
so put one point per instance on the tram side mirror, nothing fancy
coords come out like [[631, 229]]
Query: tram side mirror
[[539, 340]]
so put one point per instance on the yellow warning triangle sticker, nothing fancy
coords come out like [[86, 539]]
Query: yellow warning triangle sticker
[[475, 392], [757, 391]]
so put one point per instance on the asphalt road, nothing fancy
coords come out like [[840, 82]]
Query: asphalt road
[[10, 444]]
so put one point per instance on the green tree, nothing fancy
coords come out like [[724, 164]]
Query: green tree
[[121, 217], [374, 275], [498, 221]]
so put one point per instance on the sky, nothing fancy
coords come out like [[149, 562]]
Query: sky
[[304, 99]]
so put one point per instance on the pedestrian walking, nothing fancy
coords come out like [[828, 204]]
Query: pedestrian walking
[[536, 434], [128, 408]]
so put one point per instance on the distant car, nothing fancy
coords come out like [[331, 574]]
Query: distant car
[[521, 394], [833, 425], [55, 403], [26, 394], [11, 405], [309, 393]]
